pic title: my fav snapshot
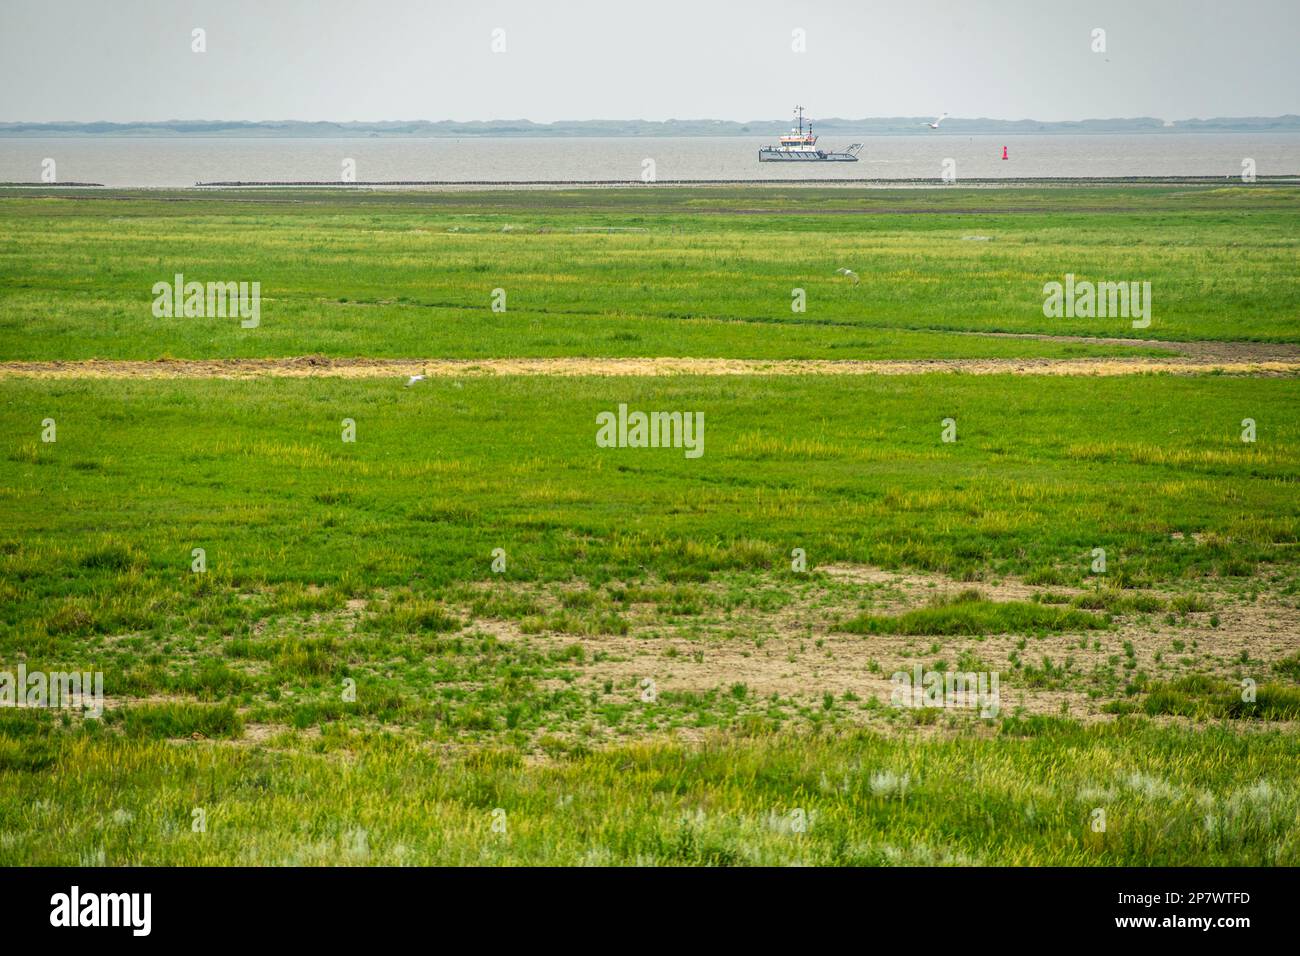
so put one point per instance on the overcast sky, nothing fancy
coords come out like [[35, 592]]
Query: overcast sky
[[124, 60]]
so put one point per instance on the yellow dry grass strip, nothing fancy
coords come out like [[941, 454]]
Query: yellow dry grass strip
[[306, 367]]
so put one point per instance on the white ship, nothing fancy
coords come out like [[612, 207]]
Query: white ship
[[801, 147]]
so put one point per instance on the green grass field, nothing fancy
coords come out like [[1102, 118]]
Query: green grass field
[[652, 677], [607, 272]]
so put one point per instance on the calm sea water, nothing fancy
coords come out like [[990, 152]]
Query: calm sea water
[[183, 162]]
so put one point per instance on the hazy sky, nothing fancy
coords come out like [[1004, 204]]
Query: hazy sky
[[125, 60]]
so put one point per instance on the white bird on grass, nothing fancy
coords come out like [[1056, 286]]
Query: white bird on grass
[[424, 373], [935, 124], [850, 273]]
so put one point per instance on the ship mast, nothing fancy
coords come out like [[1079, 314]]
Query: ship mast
[[798, 112]]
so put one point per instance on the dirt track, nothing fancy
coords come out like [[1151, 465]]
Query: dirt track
[[310, 366]]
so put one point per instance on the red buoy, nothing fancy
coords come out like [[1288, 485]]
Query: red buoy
[[1004, 152]]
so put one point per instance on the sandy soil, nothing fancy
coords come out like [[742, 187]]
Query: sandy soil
[[1234, 358], [798, 652]]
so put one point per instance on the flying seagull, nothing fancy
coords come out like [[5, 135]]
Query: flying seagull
[[424, 373], [935, 124], [850, 273]]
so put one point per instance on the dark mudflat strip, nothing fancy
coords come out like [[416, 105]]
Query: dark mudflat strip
[[68, 185]]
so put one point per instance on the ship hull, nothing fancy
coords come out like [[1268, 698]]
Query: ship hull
[[790, 156]]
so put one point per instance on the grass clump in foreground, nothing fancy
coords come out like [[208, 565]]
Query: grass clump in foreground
[[1172, 797], [162, 721], [970, 613], [1204, 698]]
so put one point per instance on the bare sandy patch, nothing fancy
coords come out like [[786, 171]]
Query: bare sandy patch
[[798, 653], [1246, 361], [918, 586], [262, 735]]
